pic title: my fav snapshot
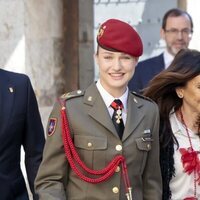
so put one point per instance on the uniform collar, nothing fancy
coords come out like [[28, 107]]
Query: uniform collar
[[108, 99]]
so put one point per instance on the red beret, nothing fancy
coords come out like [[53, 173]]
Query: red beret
[[116, 35]]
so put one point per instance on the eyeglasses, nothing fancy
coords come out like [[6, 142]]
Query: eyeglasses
[[184, 32]]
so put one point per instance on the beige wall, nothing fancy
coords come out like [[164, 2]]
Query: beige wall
[[31, 42], [193, 8]]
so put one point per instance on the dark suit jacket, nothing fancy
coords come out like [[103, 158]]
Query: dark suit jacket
[[145, 71], [5, 188], [20, 125]]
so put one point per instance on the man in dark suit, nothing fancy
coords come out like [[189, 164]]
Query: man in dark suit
[[20, 125], [177, 28]]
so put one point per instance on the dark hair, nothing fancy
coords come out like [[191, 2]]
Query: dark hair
[[162, 88], [175, 12]]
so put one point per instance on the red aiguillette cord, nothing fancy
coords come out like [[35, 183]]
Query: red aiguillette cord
[[75, 161]]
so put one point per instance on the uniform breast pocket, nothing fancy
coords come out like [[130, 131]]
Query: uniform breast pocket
[[144, 146], [92, 150]]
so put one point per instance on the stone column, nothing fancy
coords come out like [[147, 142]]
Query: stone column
[[182, 4], [70, 51], [86, 43], [43, 24]]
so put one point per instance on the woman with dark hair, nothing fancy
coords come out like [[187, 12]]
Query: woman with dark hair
[[176, 90]]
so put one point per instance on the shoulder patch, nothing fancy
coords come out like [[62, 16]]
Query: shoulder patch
[[52, 126], [141, 96]]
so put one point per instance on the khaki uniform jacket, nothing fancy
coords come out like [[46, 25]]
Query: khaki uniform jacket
[[91, 123]]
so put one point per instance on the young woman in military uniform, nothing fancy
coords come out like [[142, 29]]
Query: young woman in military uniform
[[103, 142]]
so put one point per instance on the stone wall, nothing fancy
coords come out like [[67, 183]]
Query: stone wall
[[12, 39], [43, 46], [31, 40]]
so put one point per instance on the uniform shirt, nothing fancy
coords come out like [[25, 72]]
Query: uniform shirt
[[182, 185], [168, 58], [108, 99]]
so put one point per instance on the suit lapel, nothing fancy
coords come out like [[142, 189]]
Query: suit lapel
[[160, 63], [156, 65], [98, 109], [134, 116], [7, 91]]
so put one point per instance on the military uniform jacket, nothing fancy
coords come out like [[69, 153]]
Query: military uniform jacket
[[20, 125], [97, 142]]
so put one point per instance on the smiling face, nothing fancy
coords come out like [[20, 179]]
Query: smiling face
[[115, 70], [175, 33]]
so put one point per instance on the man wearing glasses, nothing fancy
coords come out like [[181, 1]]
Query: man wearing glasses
[[177, 28]]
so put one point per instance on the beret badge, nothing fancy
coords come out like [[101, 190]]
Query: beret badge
[[101, 31]]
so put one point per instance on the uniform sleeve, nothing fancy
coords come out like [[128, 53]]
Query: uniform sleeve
[[33, 138], [152, 181], [52, 175]]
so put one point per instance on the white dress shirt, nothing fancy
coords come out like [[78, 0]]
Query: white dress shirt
[[182, 185], [108, 99], [168, 58]]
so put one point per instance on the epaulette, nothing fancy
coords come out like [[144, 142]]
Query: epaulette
[[141, 96], [71, 95]]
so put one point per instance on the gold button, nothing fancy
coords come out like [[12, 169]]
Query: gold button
[[117, 169], [135, 100], [89, 144], [89, 98], [115, 190], [118, 147]]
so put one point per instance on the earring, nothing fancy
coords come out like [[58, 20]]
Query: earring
[[180, 96]]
